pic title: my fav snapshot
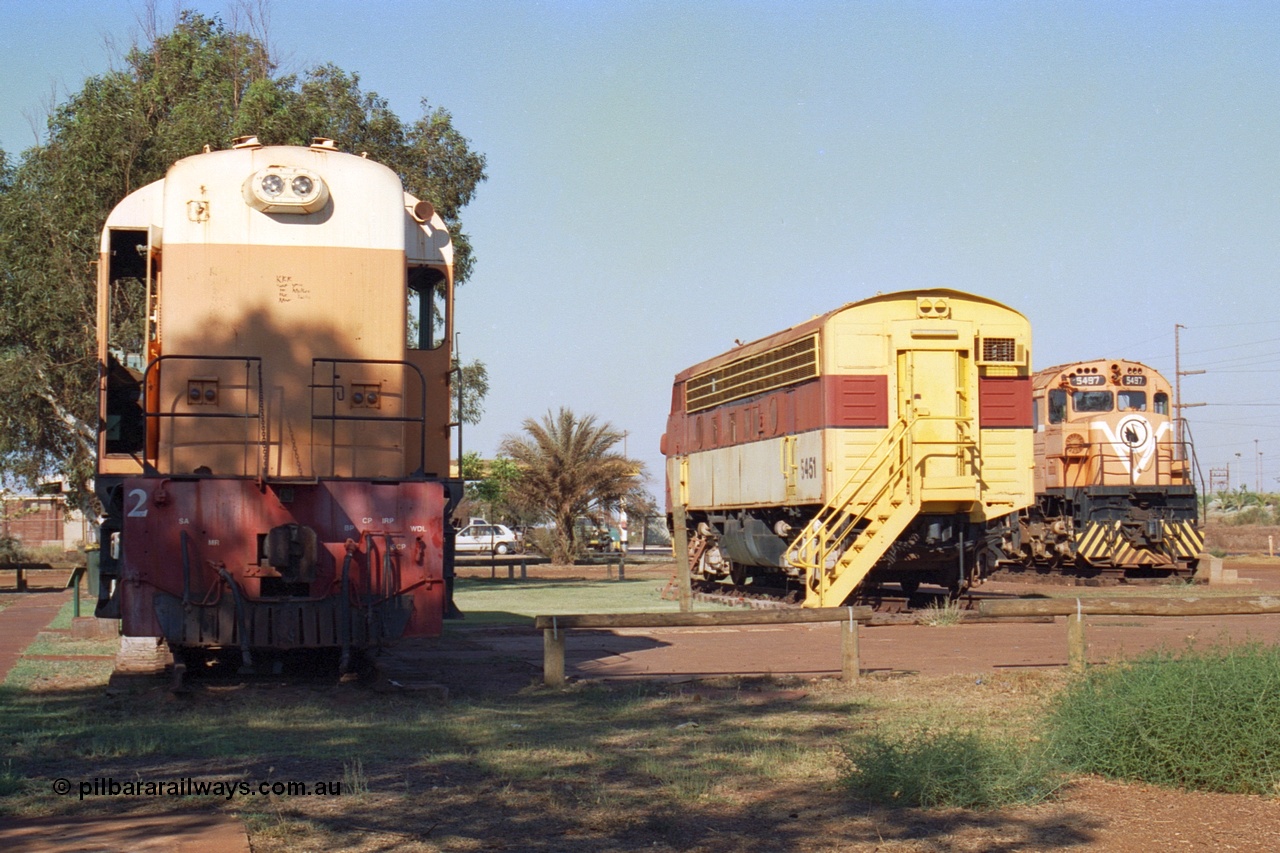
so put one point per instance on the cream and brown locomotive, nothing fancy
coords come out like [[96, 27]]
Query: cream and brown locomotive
[[1115, 496], [274, 327], [889, 440]]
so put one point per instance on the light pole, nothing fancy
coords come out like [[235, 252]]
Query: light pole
[[1257, 486]]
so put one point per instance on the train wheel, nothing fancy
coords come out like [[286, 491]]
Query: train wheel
[[909, 587], [738, 574]]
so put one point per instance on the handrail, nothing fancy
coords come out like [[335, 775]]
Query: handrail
[[334, 417], [258, 415], [1195, 465], [1094, 459], [815, 543]]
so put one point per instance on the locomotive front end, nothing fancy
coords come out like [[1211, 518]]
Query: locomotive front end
[[1115, 494], [273, 460]]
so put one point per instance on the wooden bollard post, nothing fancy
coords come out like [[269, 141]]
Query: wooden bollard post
[[553, 657], [1076, 658], [683, 579], [850, 666]]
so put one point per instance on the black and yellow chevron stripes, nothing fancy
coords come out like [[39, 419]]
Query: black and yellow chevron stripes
[[1102, 542]]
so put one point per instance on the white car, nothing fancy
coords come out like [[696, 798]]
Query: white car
[[487, 538]]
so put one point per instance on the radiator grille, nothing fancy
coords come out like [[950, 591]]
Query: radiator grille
[[999, 349], [785, 365]]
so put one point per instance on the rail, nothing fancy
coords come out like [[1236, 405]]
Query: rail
[[246, 415], [813, 549], [1190, 448], [554, 628], [1094, 464], [337, 395], [1075, 609]]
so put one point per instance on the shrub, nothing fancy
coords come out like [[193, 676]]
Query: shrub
[[947, 769], [1208, 720]]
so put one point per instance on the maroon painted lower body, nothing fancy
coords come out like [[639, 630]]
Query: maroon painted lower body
[[329, 564]]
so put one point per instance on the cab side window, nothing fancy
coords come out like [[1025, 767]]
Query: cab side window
[[1057, 406]]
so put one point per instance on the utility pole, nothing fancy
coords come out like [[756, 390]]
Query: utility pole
[[1257, 488], [1178, 405]]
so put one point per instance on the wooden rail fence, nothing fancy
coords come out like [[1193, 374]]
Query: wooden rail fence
[[554, 628], [1075, 609]]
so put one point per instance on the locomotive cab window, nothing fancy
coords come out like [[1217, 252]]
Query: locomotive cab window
[[1092, 401], [1131, 401], [426, 308], [1161, 402], [1057, 406]]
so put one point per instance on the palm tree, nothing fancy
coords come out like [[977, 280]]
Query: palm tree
[[567, 470]]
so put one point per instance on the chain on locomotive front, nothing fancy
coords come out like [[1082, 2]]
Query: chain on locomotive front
[[1115, 493], [274, 327], [888, 440]]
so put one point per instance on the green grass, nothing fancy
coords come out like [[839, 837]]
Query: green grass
[[62, 622], [62, 644], [502, 601], [946, 614], [1205, 720], [952, 768]]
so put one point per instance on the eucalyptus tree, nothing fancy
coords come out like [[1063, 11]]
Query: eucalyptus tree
[[198, 85]]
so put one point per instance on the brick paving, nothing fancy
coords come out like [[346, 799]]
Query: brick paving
[[27, 616]]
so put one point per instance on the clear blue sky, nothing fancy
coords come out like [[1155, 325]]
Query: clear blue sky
[[665, 177]]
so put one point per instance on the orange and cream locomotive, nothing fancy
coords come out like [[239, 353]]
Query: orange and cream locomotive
[[1114, 489], [274, 327], [887, 440]]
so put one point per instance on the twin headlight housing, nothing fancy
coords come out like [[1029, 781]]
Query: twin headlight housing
[[286, 189]]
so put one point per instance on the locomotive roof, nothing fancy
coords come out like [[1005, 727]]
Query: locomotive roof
[[816, 322], [1063, 368], [220, 177]]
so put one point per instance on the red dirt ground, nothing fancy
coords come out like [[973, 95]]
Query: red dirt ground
[[1092, 815]]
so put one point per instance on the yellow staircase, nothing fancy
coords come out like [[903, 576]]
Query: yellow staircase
[[842, 542]]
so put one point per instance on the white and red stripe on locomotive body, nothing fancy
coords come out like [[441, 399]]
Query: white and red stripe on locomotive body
[[857, 387]]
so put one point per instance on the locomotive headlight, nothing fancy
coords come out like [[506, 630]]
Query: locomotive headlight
[[286, 189], [272, 185]]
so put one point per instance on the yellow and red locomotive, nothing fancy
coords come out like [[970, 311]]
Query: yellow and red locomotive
[[887, 440], [274, 327], [1114, 489]]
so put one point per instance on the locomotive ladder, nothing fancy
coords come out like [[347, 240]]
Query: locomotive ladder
[[838, 547]]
